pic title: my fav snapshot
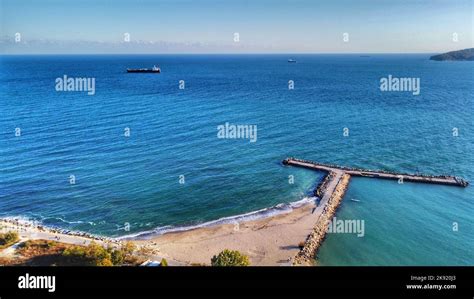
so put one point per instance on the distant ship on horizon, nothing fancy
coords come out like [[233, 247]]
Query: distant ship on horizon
[[291, 60], [155, 69]]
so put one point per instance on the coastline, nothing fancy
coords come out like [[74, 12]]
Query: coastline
[[282, 235], [285, 239], [29, 230], [270, 240]]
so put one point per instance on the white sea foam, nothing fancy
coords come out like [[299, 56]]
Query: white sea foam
[[25, 221], [281, 208], [21, 220], [278, 209]]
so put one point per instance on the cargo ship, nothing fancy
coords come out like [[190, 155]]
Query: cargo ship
[[155, 69]]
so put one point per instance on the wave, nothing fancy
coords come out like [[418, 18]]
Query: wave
[[278, 209], [28, 220], [22, 220], [72, 222]]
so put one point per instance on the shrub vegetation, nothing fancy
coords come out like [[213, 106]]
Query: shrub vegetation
[[230, 258], [8, 239], [164, 263], [96, 255]]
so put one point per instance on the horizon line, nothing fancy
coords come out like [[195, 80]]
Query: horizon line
[[223, 53]]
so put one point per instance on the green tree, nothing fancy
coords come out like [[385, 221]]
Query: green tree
[[93, 255], [117, 257], [97, 255], [164, 263], [230, 258]]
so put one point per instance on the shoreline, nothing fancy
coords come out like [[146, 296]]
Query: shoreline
[[27, 230], [30, 230], [274, 236], [269, 240], [281, 208], [285, 234], [287, 239]]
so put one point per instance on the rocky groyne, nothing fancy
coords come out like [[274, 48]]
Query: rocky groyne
[[323, 185], [305, 256], [380, 174]]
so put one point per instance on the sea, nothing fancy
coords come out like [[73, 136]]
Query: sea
[[142, 155]]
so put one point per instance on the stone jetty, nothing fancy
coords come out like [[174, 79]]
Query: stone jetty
[[332, 188], [380, 174]]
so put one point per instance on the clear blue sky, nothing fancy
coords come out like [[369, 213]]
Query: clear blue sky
[[98, 26]]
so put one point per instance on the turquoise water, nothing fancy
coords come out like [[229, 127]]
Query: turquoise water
[[409, 224], [135, 179]]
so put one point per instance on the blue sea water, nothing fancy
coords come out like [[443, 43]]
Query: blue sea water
[[135, 179]]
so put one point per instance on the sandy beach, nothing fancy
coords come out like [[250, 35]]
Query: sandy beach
[[268, 241]]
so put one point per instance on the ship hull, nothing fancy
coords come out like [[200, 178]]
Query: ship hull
[[143, 71]]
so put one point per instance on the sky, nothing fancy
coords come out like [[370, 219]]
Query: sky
[[210, 26]]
